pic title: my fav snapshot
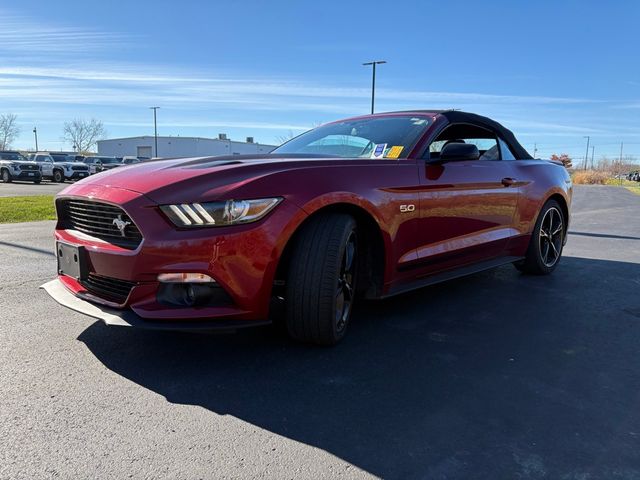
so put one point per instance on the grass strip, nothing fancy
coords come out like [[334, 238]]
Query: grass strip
[[27, 209]]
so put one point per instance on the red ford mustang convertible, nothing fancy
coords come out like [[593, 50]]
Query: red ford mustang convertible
[[367, 207]]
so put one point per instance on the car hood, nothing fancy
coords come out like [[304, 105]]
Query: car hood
[[205, 177], [20, 162], [70, 164]]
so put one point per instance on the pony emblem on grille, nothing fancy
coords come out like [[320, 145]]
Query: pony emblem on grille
[[120, 224]]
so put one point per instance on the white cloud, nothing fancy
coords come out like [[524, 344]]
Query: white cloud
[[20, 35], [51, 73]]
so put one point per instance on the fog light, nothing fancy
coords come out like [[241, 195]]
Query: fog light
[[185, 278], [192, 295], [196, 294]]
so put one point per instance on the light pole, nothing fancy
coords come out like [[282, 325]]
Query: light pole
[[373, 81], [35, 134], [155, 129], [620, 162], [592, 155], [586, 157]]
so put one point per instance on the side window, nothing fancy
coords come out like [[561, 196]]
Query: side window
[[39, 158], [506, 151], [490, 150], [482, 138]]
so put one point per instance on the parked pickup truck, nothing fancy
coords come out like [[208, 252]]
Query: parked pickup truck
[[15, 166], [60, 167]]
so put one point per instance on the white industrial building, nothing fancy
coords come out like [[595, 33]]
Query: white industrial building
[[179, 147]]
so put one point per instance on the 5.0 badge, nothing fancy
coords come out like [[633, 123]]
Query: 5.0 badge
[[407, 208]]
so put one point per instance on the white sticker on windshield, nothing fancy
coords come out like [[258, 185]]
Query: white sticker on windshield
[[378, 152]]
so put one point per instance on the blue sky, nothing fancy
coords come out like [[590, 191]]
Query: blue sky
[[552, 71]]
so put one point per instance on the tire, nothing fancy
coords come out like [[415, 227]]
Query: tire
[[321, 283], [6, 176], [37, 182], [545, 247], [58, 176]]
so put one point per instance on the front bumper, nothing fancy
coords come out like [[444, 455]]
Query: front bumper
[[27, 175], [76, 175], [128, 318], [242, 260]]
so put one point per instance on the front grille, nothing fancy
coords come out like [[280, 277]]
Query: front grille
[[100, 220], [78, 168], [110, 289], [32, 168]]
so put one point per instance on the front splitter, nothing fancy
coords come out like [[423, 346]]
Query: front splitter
[[128, 318]]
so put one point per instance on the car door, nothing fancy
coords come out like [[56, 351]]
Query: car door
[[467, 207], [46, 164]]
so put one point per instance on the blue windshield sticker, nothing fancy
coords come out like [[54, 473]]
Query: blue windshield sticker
[[378, 152]]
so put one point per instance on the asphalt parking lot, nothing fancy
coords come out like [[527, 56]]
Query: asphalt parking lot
[[497, 375], [17, 189]]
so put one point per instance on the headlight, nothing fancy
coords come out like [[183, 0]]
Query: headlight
[[219, 214], [15, 166]]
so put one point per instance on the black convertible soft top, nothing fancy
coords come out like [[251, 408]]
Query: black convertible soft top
[[456, 116]]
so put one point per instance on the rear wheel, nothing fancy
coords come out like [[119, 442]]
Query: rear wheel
[[547, 239], [6, 176], [321, 284], [58, 176]]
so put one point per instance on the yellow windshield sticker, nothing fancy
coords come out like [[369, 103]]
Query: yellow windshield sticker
[[395, 151]]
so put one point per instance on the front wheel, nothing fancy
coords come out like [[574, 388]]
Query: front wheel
[[6, 176], [547, 240], [321, 284], [58, 176]]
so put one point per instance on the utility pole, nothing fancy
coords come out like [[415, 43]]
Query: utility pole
[[586, 156], [620, 161], [535, 150], [155, 129], [35, 133], [592, 150], [621, 143], [373, 81]]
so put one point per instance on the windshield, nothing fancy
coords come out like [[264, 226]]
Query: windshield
[[61, 158], [13, 156], [381, 137]]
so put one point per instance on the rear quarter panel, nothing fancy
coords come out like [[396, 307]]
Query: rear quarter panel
[[539, 180]]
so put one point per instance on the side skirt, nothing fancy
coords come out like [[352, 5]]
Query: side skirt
[[449, 275]]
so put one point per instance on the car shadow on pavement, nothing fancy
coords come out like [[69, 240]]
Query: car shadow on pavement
[[497, 375]]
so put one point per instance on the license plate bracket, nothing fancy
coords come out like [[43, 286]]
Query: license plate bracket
[[72, 261]]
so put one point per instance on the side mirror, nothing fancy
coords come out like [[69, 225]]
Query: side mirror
[[456, 152]]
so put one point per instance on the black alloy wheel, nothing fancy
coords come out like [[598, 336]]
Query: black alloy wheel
[[547, 240], [345, 290], [550, 237]]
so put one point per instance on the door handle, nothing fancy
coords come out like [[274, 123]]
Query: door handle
[[507, 181]]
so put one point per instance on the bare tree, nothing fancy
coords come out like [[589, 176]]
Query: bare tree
[[83, 134], [9, 130], [564, 158], [285, 138], [291, 134]]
